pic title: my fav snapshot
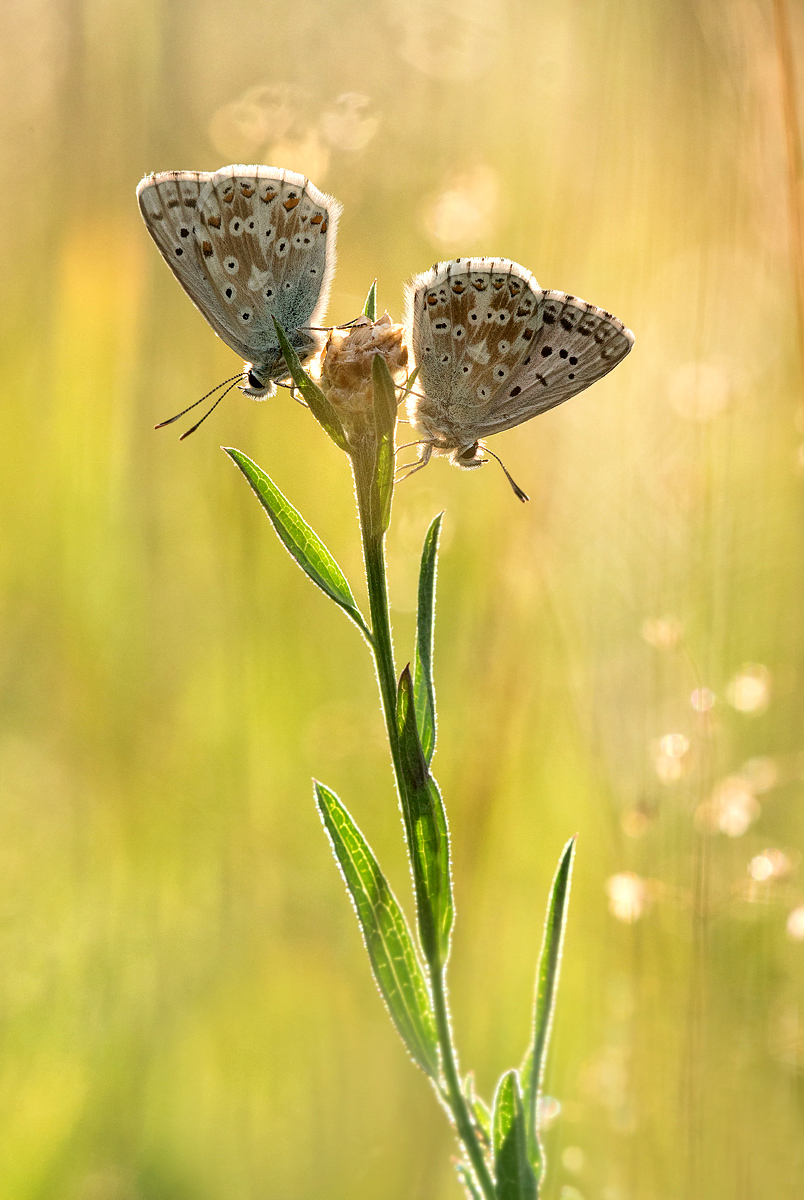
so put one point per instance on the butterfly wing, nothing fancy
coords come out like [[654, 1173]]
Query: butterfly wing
[[471, 325], [246, 243], [494, 350], [572, 346]]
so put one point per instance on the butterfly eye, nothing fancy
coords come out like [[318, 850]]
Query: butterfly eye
[[253, 381]]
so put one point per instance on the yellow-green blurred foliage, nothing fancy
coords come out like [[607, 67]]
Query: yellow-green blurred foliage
[[186, 1007]]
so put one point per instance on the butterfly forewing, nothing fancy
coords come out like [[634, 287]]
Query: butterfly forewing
[[573, 345], [246, 244], [494, 350]]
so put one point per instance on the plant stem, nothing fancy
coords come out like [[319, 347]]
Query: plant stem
[[382, 648], [455, 1096]]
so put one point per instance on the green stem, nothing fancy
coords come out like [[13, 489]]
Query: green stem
[[456, 1099], [382, 647]]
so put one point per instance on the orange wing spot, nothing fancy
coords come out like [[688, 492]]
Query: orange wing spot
[[207, 248], [478, 285], [317, 219], [215, 221], [290, 203], [228, 197], [268, 197], [247, 189], [459, 288], [514, 287], [431, 300], [324, 226], [498, 284]]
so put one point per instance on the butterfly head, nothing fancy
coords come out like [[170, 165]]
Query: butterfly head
[[468, 458], [258, 381]]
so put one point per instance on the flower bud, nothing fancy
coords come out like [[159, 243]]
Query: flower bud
[[346, 370]]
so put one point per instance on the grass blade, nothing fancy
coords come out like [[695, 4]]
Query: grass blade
[[513, 1173], [302, 542], [387, 938], [547, 973], [427, 832], [423, 688], [370, 307], [315, 399]]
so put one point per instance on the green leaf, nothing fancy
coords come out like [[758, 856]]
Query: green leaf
[[468, 1180], [370, 307], [479, 1110], [513, 1174], [423, 689], [385, 411], [306, 547], [316, 401], [547, 972], [397, 970], [427, 832]]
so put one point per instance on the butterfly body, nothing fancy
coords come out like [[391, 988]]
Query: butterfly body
[[493, 349], [248, 243]]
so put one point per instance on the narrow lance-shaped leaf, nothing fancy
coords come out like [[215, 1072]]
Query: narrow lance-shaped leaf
[[370, 307], [547, 972], [385, 410], [303, 543], [387, 938], [513, 1173], [316, 401], [468, 1180], [426, 828], [423, 688], [478, 1109]]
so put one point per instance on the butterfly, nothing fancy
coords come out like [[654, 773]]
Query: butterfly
[[493, 350], [248, 243]]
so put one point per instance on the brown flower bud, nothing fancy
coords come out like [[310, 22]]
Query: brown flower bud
[[346, 369]]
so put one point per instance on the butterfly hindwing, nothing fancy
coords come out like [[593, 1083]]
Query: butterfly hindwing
[[493, 349], [246, 243]]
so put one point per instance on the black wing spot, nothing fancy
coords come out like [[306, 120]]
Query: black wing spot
[[179, 252], [563, 353], [515, 391], [547, 351], [571, 375], [573, 360]]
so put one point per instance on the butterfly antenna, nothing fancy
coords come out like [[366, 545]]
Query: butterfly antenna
[[170, 420], [520, 495], [193, 428]]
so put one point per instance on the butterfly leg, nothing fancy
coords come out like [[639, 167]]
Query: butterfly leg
[[425, 455]]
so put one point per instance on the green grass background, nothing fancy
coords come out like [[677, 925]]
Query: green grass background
[[185, 1006]]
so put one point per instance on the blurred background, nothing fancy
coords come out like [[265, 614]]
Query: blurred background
[[186, 1009]]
